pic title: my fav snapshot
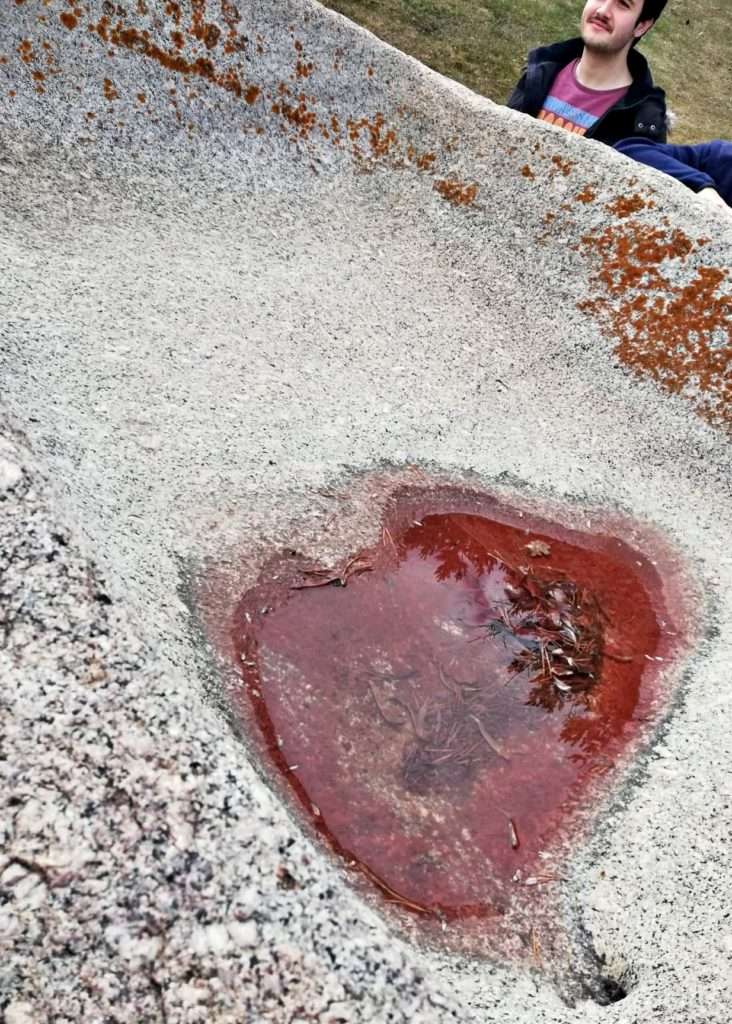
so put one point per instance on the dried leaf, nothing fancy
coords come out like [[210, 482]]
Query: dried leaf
[[538, 549]]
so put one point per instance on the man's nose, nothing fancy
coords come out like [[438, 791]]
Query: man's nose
[[604, 8]]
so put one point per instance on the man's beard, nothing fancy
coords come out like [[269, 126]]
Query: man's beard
[[604, 46]]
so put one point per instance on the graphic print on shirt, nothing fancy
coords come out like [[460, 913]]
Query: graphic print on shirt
[[573, 106]]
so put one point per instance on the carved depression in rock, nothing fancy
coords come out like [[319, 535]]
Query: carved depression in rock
[[444, 703]]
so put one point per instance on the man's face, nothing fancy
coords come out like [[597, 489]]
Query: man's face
[[609, 26]]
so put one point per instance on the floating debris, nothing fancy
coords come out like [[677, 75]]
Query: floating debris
[[538, 549], [340, 577]]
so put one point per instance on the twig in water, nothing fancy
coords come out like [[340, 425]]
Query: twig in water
[[493, 744]]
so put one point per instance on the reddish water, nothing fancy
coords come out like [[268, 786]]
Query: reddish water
[[401, 714]]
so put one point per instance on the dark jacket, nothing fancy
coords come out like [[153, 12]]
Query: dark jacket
[[641, 112]]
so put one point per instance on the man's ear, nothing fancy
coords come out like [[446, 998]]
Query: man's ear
[[642, 27]]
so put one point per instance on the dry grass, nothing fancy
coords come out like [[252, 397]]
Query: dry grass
[[483, 44]]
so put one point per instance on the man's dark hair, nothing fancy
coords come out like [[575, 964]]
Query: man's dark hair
[[652, 9]]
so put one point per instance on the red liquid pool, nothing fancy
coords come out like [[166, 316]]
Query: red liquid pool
[[442, 717]]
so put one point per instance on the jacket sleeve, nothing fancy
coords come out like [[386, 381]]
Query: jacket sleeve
[[517, 99], [654, 156]]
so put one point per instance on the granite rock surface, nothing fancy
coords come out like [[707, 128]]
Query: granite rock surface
[[250, 255]]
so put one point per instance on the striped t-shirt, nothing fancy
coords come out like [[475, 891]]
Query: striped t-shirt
[[573, 106]]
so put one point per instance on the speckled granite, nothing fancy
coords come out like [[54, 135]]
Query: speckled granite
[[212, 310], [142, 873]]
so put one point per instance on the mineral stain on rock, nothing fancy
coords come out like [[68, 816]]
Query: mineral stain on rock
[[678, 334], [443, 703]]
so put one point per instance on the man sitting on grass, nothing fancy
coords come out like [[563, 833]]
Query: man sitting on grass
[[599, 86]]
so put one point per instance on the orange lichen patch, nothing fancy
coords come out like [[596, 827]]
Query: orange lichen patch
[[370, 71], [304, 70], [371, 138], [234, 45], [210, 35], [139, 42], [456, 192], [299, 117], [68, 20], [101, 28], [172, 9], [208, 32], [141, 97], [110, 93], [198, 13], [626, 206], [230, 81], [231, 16], [423, 161], [39, 76], [680, 335], [565, 166], [25, 49], [527, 172], [587, 195], [629, 255], [381, 139]]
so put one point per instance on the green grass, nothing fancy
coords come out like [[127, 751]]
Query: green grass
[[483, 44]]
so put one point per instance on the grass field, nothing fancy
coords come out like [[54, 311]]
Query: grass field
[[483, 44]]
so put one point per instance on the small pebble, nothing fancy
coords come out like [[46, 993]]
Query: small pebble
[[10, 474]]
